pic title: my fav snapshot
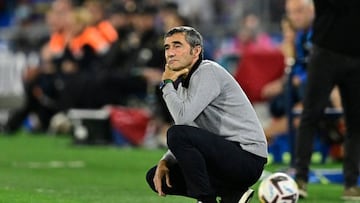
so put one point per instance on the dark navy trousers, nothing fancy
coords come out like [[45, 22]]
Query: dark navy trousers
[[327, 69], [208, 165]]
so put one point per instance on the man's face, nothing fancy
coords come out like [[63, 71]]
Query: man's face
[[178, 52], [300, 13]]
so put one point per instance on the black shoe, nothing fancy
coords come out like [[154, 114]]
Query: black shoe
[[302, 186]]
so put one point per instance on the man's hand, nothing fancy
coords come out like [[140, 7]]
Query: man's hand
[[161, 171], [272, 89], [173, 74]]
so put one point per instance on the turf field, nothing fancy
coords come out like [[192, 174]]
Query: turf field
[[48, 169]]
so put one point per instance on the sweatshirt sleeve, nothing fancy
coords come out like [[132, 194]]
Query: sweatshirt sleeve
[[203, 89], [169, 157]]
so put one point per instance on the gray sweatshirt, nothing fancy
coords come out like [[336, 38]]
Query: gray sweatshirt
[[214, 101]]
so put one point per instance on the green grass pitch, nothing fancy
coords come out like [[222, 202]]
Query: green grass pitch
[[49, 169]]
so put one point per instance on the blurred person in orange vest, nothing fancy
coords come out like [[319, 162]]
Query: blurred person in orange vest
[[41, 83], [118, 19], [100, 21], [91, 83], [82, 60], [86, 44], [57, 24]]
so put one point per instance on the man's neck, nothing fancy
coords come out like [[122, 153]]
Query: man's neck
[[192, 69]]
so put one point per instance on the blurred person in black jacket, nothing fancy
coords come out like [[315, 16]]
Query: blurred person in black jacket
[[335, 60]]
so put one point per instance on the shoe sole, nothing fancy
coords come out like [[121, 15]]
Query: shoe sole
[[247, 196], [303, 194]]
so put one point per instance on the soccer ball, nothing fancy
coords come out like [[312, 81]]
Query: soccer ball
[[278, 188]]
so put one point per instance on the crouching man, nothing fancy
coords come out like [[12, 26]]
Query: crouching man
[[217, 148]]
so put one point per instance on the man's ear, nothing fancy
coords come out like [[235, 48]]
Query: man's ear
[[197, 50]]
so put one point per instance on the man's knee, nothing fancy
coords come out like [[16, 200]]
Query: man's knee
[[150, 176], [176, 135]]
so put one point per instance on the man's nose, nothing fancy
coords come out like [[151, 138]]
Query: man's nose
[[170, 53]]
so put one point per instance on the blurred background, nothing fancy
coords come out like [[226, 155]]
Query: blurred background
[[87, 72], [90, 69]]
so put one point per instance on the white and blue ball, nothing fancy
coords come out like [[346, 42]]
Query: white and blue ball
[[278, 188]]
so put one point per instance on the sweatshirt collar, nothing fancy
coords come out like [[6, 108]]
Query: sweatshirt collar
[[186, 81]]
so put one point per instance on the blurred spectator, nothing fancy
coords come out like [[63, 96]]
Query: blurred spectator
[[120, 18], [85, 45], [99, 68], [287, 47], [41, 84], [251, 53], [249, 37], [100, 21], [174, 20], [117, 83], [274, 90], [296, 45], [82, 62], [190, 9], [166, 9], [23, 12], [147, 46], [58, 25]]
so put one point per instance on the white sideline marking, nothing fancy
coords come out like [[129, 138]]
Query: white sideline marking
[[43, 190], [49, 164]]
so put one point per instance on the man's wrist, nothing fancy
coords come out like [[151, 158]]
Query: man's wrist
[[164, 82], [162, 162]]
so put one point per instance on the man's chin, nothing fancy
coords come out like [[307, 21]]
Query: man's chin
[[176, 68]]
